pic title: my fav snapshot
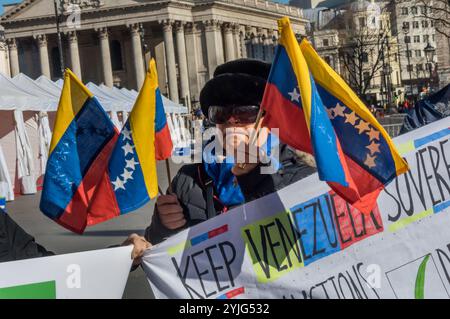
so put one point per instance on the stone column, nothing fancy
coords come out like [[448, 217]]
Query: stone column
[[136, 47], [193, 51], [267, 41], [229, 42], [43, 54], [106, 56], [4, 65], [170, 59], [249, 42], [258, 40], [237, 42], [243, 43], [337, 63], [214, 45], [182, 61], [74, 53], [13, 56], [270, 45]]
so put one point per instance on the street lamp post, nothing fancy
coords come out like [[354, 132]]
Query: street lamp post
[[386, 74], [406, 31], [429, 54], [58, 33], [144, 46]]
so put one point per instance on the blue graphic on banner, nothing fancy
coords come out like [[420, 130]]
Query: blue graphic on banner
[[314, 221]]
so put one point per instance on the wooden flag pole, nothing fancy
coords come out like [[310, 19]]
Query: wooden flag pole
[[169, 175]]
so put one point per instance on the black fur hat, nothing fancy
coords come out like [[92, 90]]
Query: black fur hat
[[236, 83]]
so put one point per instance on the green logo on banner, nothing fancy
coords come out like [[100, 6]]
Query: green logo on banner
[[420, 279], [273, 245], [41, 290]]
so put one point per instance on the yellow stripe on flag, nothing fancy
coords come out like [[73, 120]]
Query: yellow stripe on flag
[[142, 122], [333, 83], [73, 96], [298, 62]]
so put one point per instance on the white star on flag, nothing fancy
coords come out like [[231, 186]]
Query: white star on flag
[[330, 140], [295, 96], [127, 148], [126, 134], [127, 175], [118, 184], [131, 164], [322, 128]]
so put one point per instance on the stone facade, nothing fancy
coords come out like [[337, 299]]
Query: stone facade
[[351, 29], [414, 33], [105, 41]]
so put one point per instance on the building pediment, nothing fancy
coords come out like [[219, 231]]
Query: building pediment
[[35, 9], [83, 4]]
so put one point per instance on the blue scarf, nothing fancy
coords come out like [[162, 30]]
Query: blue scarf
[[224, 181]]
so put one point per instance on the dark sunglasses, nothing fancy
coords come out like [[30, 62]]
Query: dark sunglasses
[[241, 114]]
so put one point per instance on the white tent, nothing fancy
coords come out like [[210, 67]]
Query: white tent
[[13, 97], [48, 85], [6, 186], [33, 87], [27, 112], [108, 101]]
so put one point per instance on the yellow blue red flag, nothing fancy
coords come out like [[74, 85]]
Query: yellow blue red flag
[[82, 141], [130, 180], [317, 112]]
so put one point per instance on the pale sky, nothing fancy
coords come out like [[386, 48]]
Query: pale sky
[[2, 2]]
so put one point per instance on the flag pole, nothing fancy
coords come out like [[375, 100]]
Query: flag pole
[[58, 33], [169, 176], [255, 133]]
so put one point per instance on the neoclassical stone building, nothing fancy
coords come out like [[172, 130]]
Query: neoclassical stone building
[[104, 41]]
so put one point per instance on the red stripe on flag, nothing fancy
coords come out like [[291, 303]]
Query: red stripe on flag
[[75, 215], [283, 114], [163, 144], [368, 186], [104, 203]]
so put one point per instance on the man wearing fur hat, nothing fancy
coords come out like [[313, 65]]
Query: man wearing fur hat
[[231, 101]]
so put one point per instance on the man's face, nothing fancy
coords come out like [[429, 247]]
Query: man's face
[[237, 138]]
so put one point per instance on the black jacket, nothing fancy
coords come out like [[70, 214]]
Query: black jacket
[[189, 186], [15, 243]]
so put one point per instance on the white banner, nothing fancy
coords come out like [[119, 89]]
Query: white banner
[[100, 274], [306, 242]]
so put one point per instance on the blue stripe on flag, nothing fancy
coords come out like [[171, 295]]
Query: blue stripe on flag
[[324, 142]]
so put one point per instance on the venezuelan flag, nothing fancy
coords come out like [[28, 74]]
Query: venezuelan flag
[[83, 139], [318, 113], [131, 180]]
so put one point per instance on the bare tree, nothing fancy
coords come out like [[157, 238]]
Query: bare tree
[[364, 57], [366, 53], [437, 11]]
